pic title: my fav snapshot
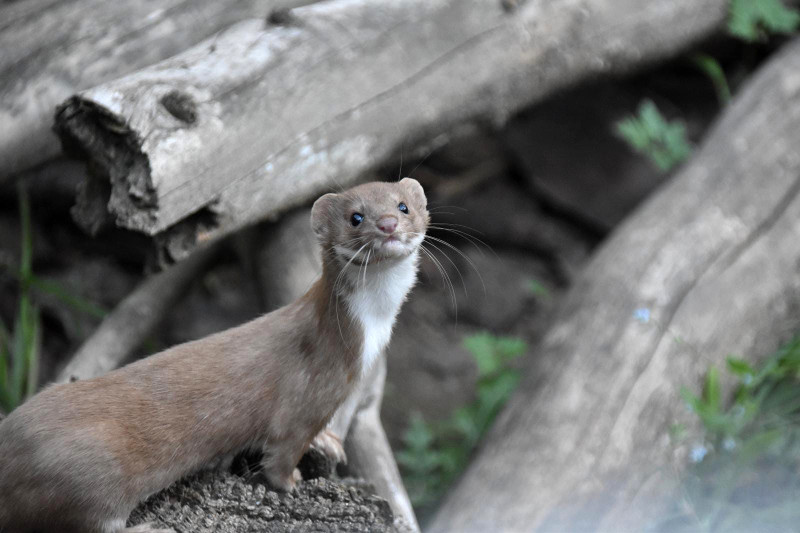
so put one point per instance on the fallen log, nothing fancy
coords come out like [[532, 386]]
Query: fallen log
[[266, 116], [711, 261], [134, 319], [49, 50]]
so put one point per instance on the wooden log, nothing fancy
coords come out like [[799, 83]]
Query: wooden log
[[264, 117], [584, 443], [51, 49], [134, 319], [369, 454]]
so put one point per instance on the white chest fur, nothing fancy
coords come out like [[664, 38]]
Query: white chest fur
[[376, 300]]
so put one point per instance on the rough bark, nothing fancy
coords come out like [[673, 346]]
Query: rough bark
[[134, 319], [584, 443], [49, 50], [263, 117], [218, 502]]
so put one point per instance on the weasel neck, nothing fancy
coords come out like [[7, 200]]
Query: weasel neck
[[372, 296]]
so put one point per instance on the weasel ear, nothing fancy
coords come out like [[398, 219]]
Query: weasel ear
[[322, 214], [415, 189]]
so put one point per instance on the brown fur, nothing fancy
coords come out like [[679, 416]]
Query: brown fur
[[80, 456]]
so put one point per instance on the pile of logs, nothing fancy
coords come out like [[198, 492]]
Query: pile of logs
[[198, 119]]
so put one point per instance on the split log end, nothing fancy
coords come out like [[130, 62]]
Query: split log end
[[119, 187]]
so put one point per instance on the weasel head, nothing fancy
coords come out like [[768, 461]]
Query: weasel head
[[372, 223]]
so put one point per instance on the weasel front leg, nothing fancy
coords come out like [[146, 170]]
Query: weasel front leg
[[279, 465]]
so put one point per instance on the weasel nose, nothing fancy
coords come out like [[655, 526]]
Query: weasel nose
[[387, 224]]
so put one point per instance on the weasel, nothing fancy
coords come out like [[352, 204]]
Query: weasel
[[79, 457]]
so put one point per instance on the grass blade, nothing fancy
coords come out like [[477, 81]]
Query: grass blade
[[32, 352]]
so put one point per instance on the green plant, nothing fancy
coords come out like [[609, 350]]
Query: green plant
[[19, 351], [435, 453], [650, 134], [744, 476], [538, 289], [752, 20], [713, 70]]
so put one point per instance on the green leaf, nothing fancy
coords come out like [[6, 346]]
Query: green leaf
[[740, 367], [435, 454], [464, 423], [76, 302], [751, 19], [481, 346], [538, 289], [711, 392], [32, 353], [509, 348], [61, 293], [27, 238], [418, 436], [650, 134], [18, 370], [713, 70]]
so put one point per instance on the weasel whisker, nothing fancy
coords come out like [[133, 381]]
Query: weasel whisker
[[336, 291], [466, 236], [458, 271], [448, 284], [462, 254]]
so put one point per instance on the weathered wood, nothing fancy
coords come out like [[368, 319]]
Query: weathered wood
[[369, 454], [51, 49], [584, 443], [261, 118], [134, 319]]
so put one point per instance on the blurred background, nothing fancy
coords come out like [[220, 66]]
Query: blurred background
[[602, 333]]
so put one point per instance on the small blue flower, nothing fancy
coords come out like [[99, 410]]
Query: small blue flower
[[747, 379], [698, 453], [729, 443], [642, 315]]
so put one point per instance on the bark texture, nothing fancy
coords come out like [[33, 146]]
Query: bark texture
[[219, 502], [584, 443], [266, 116], [51, 49]]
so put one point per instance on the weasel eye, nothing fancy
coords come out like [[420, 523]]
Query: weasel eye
[[356, 219], [403, 208]]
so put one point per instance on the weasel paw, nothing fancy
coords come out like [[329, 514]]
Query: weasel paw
[[146, 528], [287, 484], [329, 445]]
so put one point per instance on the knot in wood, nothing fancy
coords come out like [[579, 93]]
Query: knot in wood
[[180, 105]]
